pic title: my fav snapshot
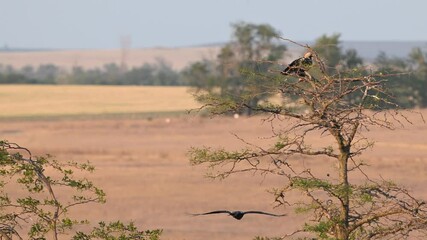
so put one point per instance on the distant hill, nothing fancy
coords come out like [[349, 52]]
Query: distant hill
[[178, 58], [369, 50]]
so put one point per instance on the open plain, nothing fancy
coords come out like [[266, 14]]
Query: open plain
[[178, 58], [143, 166]]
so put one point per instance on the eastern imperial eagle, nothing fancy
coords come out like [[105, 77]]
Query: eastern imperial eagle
[[239, 214], [300, 66]]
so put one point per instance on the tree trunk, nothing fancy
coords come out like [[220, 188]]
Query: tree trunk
[[342, 231]]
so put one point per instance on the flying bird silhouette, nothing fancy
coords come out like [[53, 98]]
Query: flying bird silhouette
[[238, 214], [299, 66]]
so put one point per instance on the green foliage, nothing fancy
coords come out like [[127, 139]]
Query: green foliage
[[241, 65], [329, 49], [220, 104], [159, 73], [28, 198], [41, 205], [303, 208], [215, 156], [198, 75], [118, 231], [352, 60], [310, 183], [322, 229], [405, 89], [333, 103], [255, 42], [232, 76], [267, 238]]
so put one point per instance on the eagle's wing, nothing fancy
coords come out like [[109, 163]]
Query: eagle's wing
[[265, 213], [213, 212], [294, 65]]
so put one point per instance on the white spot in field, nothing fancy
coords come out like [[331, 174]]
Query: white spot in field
[[167, 120], [236, 116]]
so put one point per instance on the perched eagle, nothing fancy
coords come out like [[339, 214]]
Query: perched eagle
[[239, 214], [300, 66]]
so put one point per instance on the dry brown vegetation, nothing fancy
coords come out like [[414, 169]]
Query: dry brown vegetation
[[178, 58], [143, 167]]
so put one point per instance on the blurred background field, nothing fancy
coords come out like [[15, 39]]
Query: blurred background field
[[58, 101], [178, 58]]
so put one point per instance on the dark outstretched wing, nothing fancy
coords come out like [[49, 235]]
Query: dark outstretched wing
[[213, 212], [265, 213]]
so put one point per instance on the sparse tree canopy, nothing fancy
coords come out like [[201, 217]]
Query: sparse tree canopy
[[30, 204], [329, 48], [330, 51], [405, 89], [252, 47], [338, 107]]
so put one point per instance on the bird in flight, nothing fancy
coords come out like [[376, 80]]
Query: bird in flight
[[239, 214], [299, 66]]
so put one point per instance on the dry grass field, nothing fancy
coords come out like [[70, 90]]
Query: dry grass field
[[143, 167], [37, 101]]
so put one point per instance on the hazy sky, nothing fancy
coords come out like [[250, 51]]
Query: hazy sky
[[171, 23]]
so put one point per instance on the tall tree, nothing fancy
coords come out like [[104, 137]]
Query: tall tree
[[351, 59], [330, 51], [418, 61], [253, 46], [405, 88], [340, 208]]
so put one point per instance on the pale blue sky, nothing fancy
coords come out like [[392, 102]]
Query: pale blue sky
[[175, 23]]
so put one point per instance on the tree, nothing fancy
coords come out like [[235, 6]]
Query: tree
[[199, 75], [47, 73], [165, 75], [118, 231], [351, 60], [29, 198], [418, 62], [404, 88], [252, 46], [329, 106], [143, 75], [330, 51]]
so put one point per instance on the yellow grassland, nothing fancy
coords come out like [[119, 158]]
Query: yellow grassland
[[70, 100]]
